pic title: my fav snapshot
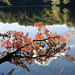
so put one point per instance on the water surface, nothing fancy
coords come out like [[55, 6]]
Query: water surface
[[57, 19]]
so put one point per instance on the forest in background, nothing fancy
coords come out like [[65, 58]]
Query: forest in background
[[35, 2], [30, 15]]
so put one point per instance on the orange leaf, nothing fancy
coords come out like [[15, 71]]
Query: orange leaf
[[62, 38], [72, 33], [2, 45], [68, 41], [67, 35]]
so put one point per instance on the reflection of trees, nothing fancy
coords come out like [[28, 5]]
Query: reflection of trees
[[10, 72], [24, 16], [21, 61], [7, 2], [43, 60], [28, 16], [36, 2], [63, 16], [56, 2], [26, 2]]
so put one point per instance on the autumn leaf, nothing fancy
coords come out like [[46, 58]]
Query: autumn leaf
[[72, 33], [67, 35], [49, 39], [2, 45], [68, 41], [62, 38]]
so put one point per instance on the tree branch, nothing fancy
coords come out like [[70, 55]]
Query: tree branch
[[4, 35], [46, 38], [9, 55]]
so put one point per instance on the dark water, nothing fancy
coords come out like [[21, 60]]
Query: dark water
[[29, 15], [57, 19]]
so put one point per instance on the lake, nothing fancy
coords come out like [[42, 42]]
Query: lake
[[57, 19]]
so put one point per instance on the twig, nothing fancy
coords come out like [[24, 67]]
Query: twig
[[4, 35], [9, 55], [46, 38], [61, 71]]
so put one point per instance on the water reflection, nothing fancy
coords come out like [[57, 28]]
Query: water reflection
[[30, 64], [30, 15], [22, 51], [10, 72], [45, 60]]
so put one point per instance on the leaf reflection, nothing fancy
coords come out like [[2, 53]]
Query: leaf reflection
[[46, 46], [11, 72]]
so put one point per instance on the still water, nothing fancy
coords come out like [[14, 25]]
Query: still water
[[56, 19]]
